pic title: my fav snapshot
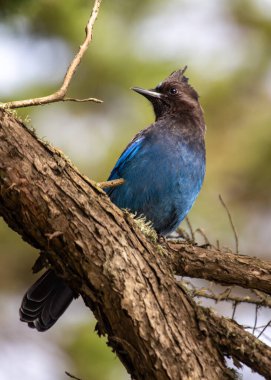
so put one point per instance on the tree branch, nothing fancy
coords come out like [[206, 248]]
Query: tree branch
[[60, 94], [223, 267], [264, 300], [235, 342]]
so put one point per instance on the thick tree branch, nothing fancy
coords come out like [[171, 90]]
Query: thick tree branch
[[60, 95], [223, 267], [156, 329]]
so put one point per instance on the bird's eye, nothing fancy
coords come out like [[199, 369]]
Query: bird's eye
[[173, 91]]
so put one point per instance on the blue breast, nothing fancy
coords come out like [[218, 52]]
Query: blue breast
[[163, 176]]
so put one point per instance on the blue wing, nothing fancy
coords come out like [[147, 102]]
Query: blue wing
[[124, 159]]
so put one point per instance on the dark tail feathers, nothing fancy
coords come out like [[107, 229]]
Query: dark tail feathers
[[45, 301]]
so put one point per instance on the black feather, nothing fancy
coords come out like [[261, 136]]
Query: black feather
[[45, 301]]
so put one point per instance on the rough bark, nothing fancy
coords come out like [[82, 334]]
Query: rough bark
[[126, 280], [221, 266], [235, 342]]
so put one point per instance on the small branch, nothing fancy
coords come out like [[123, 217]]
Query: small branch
[[183, 234], [238, 343], [192, 234], [81, 100], [232, 224], [256, 319], [60, 94], [112, 183], [202, 233], [234, 307], [263, 330], [225, 296]]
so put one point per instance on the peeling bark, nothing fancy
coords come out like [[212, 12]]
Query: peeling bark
[[126, 280]]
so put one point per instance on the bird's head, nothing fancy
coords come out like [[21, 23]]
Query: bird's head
[[173, 95]]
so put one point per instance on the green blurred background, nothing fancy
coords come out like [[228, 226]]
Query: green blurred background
[[226, 45]]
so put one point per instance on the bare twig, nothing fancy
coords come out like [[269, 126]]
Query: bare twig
[[81, 100], [267, 325], [112, 183], [225, 296], [71, 376], [256, 319], [202, 233], [183, 234], [261, 295], [59, 95], [192, 234], [231, 222], [234, 307]]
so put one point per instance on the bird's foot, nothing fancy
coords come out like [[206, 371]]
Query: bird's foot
[[206, 245], [161, 239], [178, 237]]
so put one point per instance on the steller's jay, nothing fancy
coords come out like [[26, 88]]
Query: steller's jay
[[163, 168]]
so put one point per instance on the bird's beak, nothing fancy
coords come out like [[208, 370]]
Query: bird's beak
[[149, 94]]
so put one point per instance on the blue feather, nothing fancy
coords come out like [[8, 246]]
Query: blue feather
[[126, 156]]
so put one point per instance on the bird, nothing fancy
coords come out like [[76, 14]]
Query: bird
[[163, 168]]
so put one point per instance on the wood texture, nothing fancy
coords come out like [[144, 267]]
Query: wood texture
[[221, 266]]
